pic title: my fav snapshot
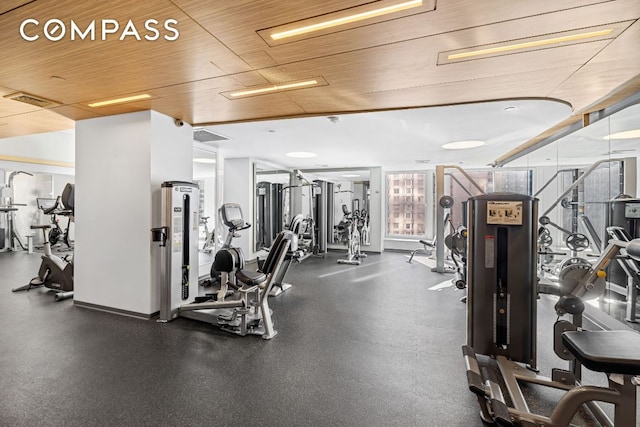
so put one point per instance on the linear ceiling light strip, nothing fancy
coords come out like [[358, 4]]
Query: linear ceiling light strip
[[526, 45], [120, 100], [278, 35], [274, 88]]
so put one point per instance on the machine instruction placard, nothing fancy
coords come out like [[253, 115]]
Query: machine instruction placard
[[504, 213]]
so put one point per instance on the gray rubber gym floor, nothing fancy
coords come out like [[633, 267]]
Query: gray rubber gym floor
[[369, 345]]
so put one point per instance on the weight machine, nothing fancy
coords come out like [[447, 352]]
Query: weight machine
[[247, 310], [502, 320], [9, 235]]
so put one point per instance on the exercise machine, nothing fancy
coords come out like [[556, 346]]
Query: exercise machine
[[53, 208], [230, 216], [9, 234], [269, 213], [247, 312], [311, 229], [55, 273], [502, 315], [623, 219], [209, 235], [352, 233], [631, 269]]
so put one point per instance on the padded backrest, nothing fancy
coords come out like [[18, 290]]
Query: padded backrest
[[67, 197], [296, 223], [278, 246], [228, 260]]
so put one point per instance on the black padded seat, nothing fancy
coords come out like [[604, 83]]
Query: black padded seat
[[613, 352], [251, 278]]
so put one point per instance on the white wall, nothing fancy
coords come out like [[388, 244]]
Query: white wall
[[239, 188], [120, 163]]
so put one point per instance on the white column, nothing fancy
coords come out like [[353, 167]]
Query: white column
[[120, 163], [239, 188]]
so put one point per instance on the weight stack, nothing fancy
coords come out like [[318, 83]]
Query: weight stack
[[502, 276]]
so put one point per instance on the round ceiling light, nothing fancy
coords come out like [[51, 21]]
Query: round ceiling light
[[461, 145], [301, 154]]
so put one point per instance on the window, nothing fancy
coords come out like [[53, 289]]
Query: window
[[405, 199], [510, 180]]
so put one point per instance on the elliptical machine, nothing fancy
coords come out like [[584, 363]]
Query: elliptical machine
[[55, 273], [354, 256]]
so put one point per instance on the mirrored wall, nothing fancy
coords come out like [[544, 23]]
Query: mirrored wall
[[348, 198], [272, 200], [587, 185]]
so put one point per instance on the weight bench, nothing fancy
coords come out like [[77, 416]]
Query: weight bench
[[615, 353], [426, 244]]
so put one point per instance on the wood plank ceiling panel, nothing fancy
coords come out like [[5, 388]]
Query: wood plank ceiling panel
[[238, 33], [121, 67], [388, 64], [402, 70], [9, 5]]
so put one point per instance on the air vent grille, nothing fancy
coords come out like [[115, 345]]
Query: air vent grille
[[32, 100], [204, 135]]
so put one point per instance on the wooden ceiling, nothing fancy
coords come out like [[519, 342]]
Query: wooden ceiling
[[387, 63]]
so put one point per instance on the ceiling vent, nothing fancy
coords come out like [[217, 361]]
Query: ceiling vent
[[204, 135], [423, 161], [36, 101]]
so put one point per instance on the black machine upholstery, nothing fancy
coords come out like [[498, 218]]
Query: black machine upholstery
[[68, 197], [252, 278], [613, 352]]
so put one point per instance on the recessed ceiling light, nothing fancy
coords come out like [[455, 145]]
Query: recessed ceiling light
[[461, 145], [207, 160], [301, 154], [628, 134], [350, 175], [120, 100], [339, 18], [511, 108], [529, 44], [262, 90]]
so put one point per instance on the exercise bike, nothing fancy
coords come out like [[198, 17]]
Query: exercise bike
[[228, 259], [208, 244], [54, 273], [53, 208], [354, 256]]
